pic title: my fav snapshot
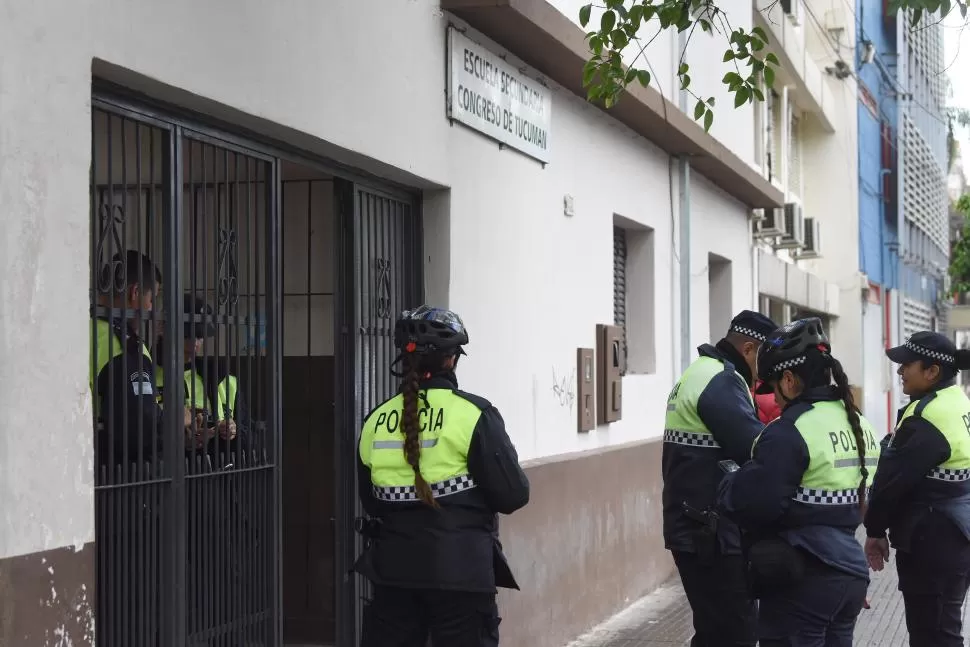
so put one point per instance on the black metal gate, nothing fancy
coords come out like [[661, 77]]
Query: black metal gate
[[381, 259], [185, 355]]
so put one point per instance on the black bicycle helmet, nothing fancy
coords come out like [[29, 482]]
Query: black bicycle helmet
[[427, 329], [788, 347]]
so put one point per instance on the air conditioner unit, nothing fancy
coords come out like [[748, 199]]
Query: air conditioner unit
[[772, 225], [794, 236], [812, 245], [757, 215]]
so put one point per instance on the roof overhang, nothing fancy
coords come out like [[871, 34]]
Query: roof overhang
[[541, 36]]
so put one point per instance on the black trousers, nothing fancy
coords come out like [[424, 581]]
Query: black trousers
[[819, 611], [398, 617], [934, 576], [724, 613]]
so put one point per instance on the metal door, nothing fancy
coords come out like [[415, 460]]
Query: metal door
[[187, 519], [381, 261]]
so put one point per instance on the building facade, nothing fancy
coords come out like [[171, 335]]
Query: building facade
[[805, 144], [308, 188]]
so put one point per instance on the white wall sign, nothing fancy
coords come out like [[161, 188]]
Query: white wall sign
[[491, 96]]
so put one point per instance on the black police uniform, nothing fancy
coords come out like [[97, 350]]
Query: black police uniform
[[435, 571], [797, 504], [921, 494], [725, 424]]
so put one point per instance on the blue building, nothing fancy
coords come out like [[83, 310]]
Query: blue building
[[903, 226]]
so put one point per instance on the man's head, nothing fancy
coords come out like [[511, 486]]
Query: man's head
[[747, 332], [198, 325], [132, 280]]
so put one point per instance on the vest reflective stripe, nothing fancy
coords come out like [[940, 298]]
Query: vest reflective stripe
[[683, 425], [227, 397], [834, 470], [949, 411], [940, 474], [446, 422], [690, 439], [438, 490], [825, 497]]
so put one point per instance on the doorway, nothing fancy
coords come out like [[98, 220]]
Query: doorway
[[308, 402], [301, 269]]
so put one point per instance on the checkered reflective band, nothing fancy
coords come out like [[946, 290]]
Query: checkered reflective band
[[946, 474], [690, 438], [440, 489], [789, 363], [813, 496], [753, 334], [932, 354]]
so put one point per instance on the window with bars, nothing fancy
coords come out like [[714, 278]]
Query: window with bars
[[633, 294]]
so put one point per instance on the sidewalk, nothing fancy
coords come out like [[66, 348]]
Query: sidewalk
[[663, 619]]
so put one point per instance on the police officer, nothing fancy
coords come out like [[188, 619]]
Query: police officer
[[122, 377], [800, 500], [711, 417], [211, 391], [921, 491], [435, 466]]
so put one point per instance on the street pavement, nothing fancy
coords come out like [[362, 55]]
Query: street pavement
[[663, 619]]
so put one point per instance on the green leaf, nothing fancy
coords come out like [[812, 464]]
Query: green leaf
[[636, 14], [760, 33], [741, 96], [684, 67], [917, 15], [706, 26], [757, 93], [728, 56], [708, 120], [584, 13], [699, 110], [769, 76], [607, 22], [771, 58], [757, 45], [684, 81], [588, 71], [619, 39], [710, 101], [644, 77], [631, 74], [596, 44]]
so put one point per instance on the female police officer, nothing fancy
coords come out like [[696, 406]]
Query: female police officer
[[799, 500], [921, 491], [435, 465]]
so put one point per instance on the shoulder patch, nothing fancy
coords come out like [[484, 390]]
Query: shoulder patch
[[478, 401]]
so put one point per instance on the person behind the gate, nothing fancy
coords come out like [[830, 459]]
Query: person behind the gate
[[122, 376], [211, 390], [435, 466]]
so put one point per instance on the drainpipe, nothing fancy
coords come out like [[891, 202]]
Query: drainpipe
[[683, 176]]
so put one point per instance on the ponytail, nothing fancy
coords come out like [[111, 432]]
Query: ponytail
[[411, 427], [842, 384]]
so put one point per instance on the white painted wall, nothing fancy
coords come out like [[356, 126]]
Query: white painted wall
[[530, 283]]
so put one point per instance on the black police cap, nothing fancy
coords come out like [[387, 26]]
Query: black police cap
[[753, 324], [930, 346]]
